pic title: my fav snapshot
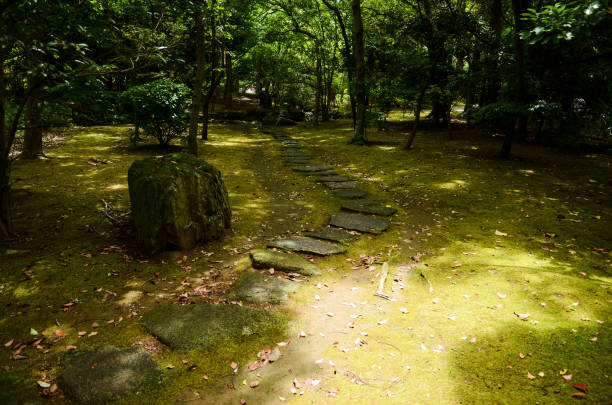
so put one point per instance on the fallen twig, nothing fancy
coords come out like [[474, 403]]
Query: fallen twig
[[381, 284]]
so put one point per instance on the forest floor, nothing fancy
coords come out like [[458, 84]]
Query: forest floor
[[500, 271]]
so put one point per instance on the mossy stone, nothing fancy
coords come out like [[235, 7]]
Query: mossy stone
[[107, 373], [256, 287], [15, 390], [177, 200], [350, 193], [340, 185], [207, 326], [310, 168], [368, 207], [359, 222], [307, 245], [333, 234], [289, 263]]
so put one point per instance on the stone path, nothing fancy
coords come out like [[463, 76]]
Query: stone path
[[124, 371]]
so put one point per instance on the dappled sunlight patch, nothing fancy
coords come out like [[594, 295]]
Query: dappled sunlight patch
[[452, 185]]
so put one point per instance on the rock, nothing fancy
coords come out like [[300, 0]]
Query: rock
[[297, 161], [256, 287], [333, 234], [296, 153], [105, 374], [274, 119], [177, 200], [368, 207], [280, 261], [209, 326], [333, 179], [291, 142], [323, 173], [307, 245], [359, 222], [350, 193], [310, 168], [15, 390], [340, 185]]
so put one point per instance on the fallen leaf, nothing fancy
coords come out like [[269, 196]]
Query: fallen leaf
[[499, 233], [530, 376], [522, 317], [9, 343], [521, 355], [578, 394], [70, 347], [500, 295], [43, 384], [242, 401], [234, 366], [581, 386], [254, 384], [541, 374], [567, 377]]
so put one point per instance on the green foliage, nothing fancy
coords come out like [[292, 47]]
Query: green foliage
[[158, 107], [563, 21], [502, 115]]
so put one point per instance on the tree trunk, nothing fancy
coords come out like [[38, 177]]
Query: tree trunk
[[318, 87], [32, 139], [196, 98], [229, 81], [507, 145], [361, 96], [518, 8], [213, 68], [493, 80], [417, 119]]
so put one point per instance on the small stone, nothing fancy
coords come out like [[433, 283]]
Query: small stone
[[359, 222], [307, 245]]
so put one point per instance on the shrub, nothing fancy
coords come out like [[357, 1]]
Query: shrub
[[501, 116], [158, 107]]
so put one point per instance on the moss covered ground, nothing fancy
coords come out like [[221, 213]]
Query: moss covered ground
[[476, 241]]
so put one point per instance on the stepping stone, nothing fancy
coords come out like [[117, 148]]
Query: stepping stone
[[256, 287], [15, 390], [105, 374], [336, 178], [280, 261], [307, 245], [297, 161], [333, 234], [350, 193], [310, 168], [209, 326], [368, 207], [338, 185], [289, 142], [295, 153], [359, 222], [324, 173]]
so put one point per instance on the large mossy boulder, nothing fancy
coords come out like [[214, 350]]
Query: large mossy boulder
[[178, 200]]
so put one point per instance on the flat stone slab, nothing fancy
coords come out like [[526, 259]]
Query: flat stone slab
[[208, 326], [338, 185], [307, 245], [15, 390], [291, 142], [368, 207], [359, 222], [280, 261], [106, 374], [310, 168], [333, 234], [334, 178], [323, 173], [256, 287], [296, 153], [350, 193], [297, 161]]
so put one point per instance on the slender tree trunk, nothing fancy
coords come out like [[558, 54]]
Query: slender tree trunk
[[493, 80], [318, 87], [33, 134], [196, 98], [5, 184], [229, 81], [518, 8], [213, 70], [417, 119], [361, 96], [507, 145]]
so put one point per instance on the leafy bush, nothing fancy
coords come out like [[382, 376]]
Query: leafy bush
[[501, 116], [158, 107]]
